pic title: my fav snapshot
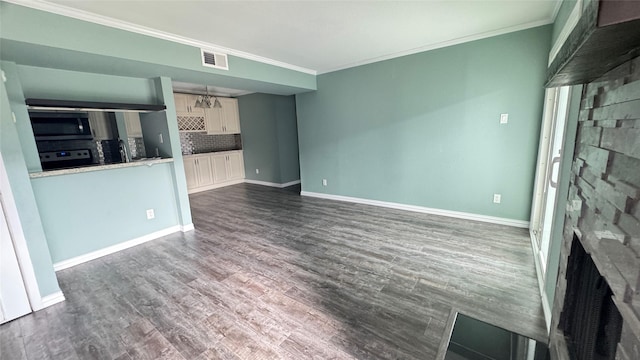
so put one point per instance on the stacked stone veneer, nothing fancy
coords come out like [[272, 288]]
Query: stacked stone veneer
[[603, 209]]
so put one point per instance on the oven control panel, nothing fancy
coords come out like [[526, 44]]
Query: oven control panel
[[64, 155]]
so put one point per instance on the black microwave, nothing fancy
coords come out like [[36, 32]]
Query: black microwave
[[60, 125]]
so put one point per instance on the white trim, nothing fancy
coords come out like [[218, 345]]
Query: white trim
[[556, 10], [65, 264], [19, 240], [272, 184], [571, 23], [127, 26], [443, 44], [546, 309], [51, 299], [188, 227], [215, 186], [421, 209]]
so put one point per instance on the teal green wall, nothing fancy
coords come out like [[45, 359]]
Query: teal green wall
[[561, 18], [67, 43], [12, 155], [269, 137], [424, 129], [103, 197], [564, 177], [89, 211], [288, 139]]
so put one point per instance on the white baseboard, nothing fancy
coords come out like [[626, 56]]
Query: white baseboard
[[65, 264], [49, 300], [272, 184], [421, 209], [215, 186], [188, 227]]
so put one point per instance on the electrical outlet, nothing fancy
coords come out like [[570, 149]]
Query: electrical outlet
[[160, 138], [257, 171], [150, 214], [497, 198], [324, 182], [504, 118]]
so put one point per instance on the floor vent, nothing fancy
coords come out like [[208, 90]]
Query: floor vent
[[214, 60]]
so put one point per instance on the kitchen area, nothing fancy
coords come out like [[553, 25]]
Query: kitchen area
[[210, 141]]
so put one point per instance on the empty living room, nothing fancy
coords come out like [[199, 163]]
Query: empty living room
[[440, 180]]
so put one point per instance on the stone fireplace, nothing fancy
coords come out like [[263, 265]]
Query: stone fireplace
[[603, 210]]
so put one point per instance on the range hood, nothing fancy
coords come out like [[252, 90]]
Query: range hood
[[607, 35], [66, 105]]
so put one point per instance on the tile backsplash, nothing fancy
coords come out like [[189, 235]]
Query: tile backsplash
[[195, 143]]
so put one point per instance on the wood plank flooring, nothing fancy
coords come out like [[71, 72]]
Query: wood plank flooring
[[268, 274]]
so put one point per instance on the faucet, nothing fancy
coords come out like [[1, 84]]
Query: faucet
[[123, 151]]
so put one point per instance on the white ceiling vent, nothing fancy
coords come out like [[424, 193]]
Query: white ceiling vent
[[214, 60]]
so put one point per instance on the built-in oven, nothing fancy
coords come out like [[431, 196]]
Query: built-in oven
[[60, 125]]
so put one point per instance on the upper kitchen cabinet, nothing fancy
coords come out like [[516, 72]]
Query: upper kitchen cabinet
[[100, 128], [225, 119], [132, 123], [185, 105]]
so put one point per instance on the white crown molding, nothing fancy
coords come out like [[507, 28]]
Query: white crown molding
[[65, 264], [442, 44], [421, 209], [556, 9], [127, 26], [571, 23], [272, 184]]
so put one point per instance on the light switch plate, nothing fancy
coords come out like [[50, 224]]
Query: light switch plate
[[504, 118]]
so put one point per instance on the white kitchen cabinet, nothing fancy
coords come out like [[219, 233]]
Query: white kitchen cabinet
[[185, 105], [235, 165], [100, 128], [132, 123], [198, 171], [209, 171], [225, 119], [227, 166]]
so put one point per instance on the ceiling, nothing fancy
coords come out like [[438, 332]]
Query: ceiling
[[323, 36]]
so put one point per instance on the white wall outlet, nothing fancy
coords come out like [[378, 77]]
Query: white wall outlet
[[504, 118], [150, 214], [160, 138], [324, 182], [497, 198], [257, 171]]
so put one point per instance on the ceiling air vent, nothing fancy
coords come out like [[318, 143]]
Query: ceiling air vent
[[214, 60]]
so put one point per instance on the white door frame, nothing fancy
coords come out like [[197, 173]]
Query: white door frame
[[19, 241], [556, 104]]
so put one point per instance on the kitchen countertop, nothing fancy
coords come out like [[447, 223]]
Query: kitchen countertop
[[147, 162], [211, 152]]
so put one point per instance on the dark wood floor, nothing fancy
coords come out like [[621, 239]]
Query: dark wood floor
[[268, 275]]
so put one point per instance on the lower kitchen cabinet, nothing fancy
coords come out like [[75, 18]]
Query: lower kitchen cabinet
[[213, 170], [198, 171]]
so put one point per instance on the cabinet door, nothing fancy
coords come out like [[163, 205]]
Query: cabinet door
[[231, 115], [100, 128], [219, 168], [182, 104], [191, 172], [191, 103], [132, 123], [213, 118], [235, 165], [205, 171]]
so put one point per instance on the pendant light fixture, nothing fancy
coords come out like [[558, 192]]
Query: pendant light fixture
[[204, 101]]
